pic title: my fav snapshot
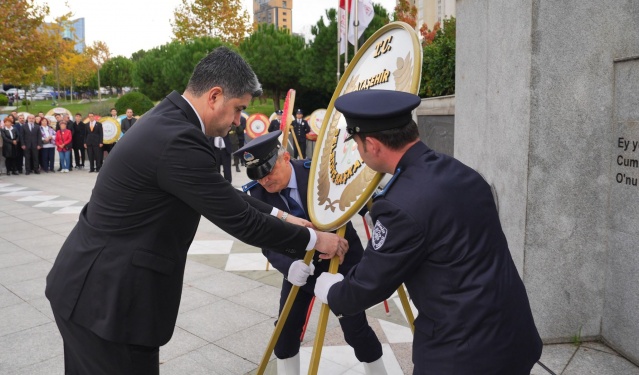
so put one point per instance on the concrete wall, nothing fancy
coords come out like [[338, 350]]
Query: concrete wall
[[535, 106], [436, 123]]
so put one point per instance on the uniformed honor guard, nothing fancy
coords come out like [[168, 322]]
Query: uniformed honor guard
[[436, 229], [283, 183], [300, 129], [276, 122]]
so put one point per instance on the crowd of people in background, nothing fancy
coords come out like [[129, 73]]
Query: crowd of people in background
[[28, 145]]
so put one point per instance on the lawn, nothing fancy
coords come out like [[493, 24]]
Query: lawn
[[103, 108]]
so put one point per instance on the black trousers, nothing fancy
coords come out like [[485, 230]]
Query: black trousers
[[87, 353], [31, 161], [302, 147], [20, 158], [224, 161], [95, 156], [357, 333], [79, 156], [10, 164]]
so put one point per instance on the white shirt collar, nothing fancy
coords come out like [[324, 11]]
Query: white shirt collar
[[197, 114]]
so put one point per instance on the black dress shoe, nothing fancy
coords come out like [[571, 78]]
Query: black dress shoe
[[27, 173], [37, 172]]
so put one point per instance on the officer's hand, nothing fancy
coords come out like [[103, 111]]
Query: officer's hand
[[330, 245], [298, 221], [298, 272], [324, 283]]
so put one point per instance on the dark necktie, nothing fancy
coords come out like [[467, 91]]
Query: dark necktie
[[294, 207]]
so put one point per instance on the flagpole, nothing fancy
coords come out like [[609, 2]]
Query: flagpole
[[356, 23], [347, 5], [339, 39]]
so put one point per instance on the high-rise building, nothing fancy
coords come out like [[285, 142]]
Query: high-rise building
[[274, 12], [430, 12], [76, 32]]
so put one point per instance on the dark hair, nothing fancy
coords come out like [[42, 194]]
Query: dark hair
[[113, 109], [79, 114], [226, 69], [395, 138]]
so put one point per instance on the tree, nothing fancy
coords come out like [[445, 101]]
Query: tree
[[99, 53], [275, 56], [224, 19], [116, 72], [438, 66], [319, 59], [76, 70], [428, 35], [406, 13], [23, 43], [148, 73], [183, 57]]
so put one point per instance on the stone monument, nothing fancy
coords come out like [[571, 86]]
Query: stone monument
[[547, 110]]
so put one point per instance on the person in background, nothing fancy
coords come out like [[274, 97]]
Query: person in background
[[31, 144], [276, 123], [11, 144], [128, 121], [79, 134], [48, 146], [17, 125], [93, 142], [300, 129], [283, 183], [106, 148], [2, 163], [63, 140]]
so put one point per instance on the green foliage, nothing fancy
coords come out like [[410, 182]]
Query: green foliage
[[4, 100], [275, 56], [320, 58], [438, 66], [576, 338], [169, 67], [137, 101], [116, 72]]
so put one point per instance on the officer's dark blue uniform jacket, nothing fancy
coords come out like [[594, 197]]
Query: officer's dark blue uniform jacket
[[282, 262], [437, 230]]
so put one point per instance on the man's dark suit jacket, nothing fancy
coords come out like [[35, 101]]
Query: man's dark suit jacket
[[282, 262], [79, 134], [120, 271], [31, 139], [126, 124], [94, 137]]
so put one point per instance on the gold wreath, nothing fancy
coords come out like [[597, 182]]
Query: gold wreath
[[403, 73]]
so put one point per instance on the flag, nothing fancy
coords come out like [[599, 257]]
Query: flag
[[365, 14], [344, 5]]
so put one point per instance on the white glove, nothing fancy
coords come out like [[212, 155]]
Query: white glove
[[298, 272], [324, 283]]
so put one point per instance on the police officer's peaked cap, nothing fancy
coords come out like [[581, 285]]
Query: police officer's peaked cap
[[299, 111], [371, 111], [260, 154], [279, 112]]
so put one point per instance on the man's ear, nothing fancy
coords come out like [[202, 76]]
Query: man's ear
[[214, 95], [286, 157], [373, 145]]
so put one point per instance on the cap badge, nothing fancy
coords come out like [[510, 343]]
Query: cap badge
[[248, 156]]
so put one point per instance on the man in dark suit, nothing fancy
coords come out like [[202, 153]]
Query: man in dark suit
[[283, 183], [93, 142], [79, 134], [437, 230], [128, 121], [223, 150], [300, 129], [116, 284], [276, 123], [31, 144], [20, 155]]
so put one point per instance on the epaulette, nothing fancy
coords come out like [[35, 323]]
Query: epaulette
[[249, 186], [388, 185], [307, 164]]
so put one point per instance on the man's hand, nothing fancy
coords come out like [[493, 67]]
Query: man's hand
[[330, 245], [324, 283], [298, 272], [298, 221]]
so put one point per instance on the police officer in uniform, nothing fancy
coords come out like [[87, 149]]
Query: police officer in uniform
[[276, 122], [437, 230], [282, 183], [300, 128]]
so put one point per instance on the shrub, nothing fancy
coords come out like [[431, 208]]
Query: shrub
[[26, 102], [4, 101], [137, 101]]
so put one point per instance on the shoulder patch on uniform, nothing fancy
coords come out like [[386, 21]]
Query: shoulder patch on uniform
[[307, 164], [388, 185], [249, 186], [379, 235]]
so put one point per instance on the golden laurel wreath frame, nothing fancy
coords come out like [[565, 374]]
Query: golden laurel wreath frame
[[359, 189]]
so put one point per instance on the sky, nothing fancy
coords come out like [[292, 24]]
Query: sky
[[127, 26]]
